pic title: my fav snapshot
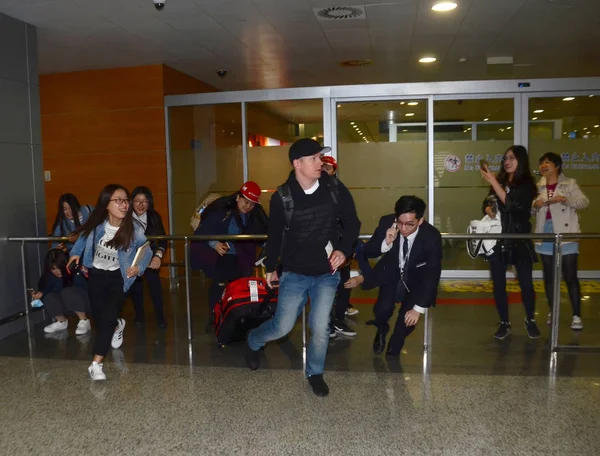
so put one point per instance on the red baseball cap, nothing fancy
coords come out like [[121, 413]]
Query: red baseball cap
[[329, 160], [251, 191]]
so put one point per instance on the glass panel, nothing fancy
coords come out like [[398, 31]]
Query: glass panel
[[571, 128], [206, 156], [382, 154], [272, 128], [465, 132]]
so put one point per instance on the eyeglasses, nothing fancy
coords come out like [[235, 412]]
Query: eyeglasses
[[407, 224], [120, 201], [140, 201]]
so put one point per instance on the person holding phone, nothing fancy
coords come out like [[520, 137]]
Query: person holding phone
[[408, 272], [512, 193], [107, 246], [224, 261]]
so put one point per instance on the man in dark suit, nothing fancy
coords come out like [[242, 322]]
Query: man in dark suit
[[409, 271]]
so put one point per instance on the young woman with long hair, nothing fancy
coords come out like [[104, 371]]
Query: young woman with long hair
[[70, 216], [511, 193], [107, 246], [151, 221], [63, 293], [555, 211]]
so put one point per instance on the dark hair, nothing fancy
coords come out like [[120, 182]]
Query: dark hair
[[73, 203], [154, 218], [124, 235], [523, 172], [54, 258], [552, 158], [410, 205], [229, 203]]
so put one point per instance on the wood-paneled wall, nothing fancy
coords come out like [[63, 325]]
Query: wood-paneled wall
[[107, 126]]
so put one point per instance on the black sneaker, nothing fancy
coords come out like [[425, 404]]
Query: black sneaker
[[252, 358], [332, 333], [532, 330], [503, 330], [342, 328], [318, 385]]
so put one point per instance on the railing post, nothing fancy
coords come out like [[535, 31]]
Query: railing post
[[25, 295], [556, 288], [304, 339], [188, 277]]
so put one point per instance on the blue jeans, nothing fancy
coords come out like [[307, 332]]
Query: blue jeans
[[294, 290]]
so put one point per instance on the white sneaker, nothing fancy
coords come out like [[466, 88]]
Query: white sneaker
[[549, 320], [576, 323], [83, 327], [96, 371], [57, 326], [351, 311], [117, 338]]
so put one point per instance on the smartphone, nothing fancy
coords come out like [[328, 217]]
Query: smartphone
[[483, 165]]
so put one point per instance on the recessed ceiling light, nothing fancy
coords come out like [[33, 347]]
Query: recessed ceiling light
[[409, 114], [591, 96], [486, 119], [469, 129], [413, 103], [538, 111], [442, 7], [339, 106], [462, 59], [403, 102], [596, 126], [351, 123], [508, 128], [405, 131], [534, 118], [427, 59], [568, 98]]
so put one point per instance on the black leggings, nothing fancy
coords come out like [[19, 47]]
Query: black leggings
[[569, 271], [525, 278]]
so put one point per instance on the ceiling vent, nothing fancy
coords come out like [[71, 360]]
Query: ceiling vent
[[340, 13], [356, 63]]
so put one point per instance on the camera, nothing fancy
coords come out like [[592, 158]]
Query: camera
[[221, 73], [159, 4]]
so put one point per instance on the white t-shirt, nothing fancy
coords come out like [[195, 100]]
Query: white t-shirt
[[105, 257]]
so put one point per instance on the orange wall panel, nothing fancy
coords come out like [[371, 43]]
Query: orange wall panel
[[177, 83]]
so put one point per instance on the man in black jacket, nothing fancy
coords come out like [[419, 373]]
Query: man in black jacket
[[313, 250], [409, 271]]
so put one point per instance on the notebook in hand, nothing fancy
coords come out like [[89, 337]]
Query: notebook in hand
[[141, 251]]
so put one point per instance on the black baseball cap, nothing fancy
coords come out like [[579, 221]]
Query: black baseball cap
[[306, 147]]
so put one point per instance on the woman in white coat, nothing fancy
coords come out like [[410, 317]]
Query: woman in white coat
[[556, 212]]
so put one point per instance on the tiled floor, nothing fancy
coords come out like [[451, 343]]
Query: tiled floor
[[469, 395]]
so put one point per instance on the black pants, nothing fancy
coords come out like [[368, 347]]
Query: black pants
[[107, 298], [152, 278], [525, 278], [569, 271], [389, 294], [66, 302], [342, 300], [226, 270]]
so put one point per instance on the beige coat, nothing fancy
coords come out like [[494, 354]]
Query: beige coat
[[564, 215]]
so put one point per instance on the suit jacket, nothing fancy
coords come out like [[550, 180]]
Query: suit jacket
[[423, 270]]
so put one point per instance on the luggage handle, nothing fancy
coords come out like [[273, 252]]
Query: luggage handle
[[267, 299]]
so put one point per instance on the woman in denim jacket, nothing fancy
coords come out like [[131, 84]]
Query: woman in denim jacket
[[555, 211], [108, 242], [70, 216]]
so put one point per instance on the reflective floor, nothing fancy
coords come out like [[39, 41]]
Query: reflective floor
[[467, 395]]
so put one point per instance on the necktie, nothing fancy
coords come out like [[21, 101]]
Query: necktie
[[404, 254]]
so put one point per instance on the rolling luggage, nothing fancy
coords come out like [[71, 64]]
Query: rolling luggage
[[246, 303]]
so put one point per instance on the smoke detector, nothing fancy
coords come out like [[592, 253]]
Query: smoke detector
[[356, 63], [340, 13]]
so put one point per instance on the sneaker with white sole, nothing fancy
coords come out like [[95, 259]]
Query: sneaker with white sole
[[351, 310], [57, 326], [342, 328], [117, 338], [96, 371], [576, 323], [83, 327]]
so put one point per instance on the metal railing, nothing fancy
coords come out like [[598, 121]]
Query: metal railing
[[556, 238]]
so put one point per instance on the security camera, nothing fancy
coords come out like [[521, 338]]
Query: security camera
[[159, 4], [221, 73]]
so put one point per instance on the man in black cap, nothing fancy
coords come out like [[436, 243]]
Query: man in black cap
[[312, 228]]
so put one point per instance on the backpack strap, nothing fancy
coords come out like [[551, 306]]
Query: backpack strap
[[285, 194], [334, 190]]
